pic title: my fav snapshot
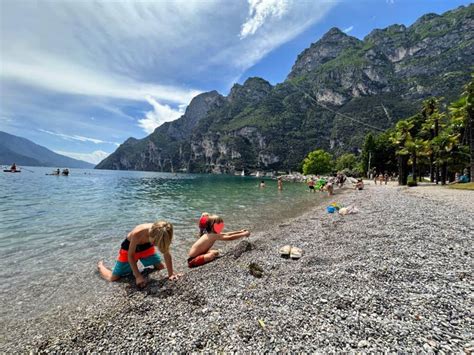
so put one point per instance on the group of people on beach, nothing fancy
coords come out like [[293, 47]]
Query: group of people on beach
[[141, 244], [381, 178], [322, 184]]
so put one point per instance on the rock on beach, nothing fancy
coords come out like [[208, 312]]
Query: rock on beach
[[397, 276]]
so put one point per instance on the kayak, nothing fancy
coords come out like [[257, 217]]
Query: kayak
[[11, 171]]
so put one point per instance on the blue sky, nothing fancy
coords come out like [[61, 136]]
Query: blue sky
[[80, 77]]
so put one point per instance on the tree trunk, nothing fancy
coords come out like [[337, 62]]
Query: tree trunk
[[436, 132], [413, 171], [444, 171], [470, 118], [431, 158], [402, 169], [431, 168]]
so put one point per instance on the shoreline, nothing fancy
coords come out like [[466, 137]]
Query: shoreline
[[393, 277]]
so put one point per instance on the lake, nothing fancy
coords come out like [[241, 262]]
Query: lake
[[54, 229]]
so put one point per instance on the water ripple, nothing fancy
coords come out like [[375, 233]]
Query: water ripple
[[54, 229]]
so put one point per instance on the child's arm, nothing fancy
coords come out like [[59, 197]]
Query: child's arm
[[169, 266], [140, 280], [234, 232], [235, 235]]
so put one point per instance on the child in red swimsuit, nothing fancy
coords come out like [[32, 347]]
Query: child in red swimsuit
[[201, 252]]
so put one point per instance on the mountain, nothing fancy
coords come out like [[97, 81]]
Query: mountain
[[22, 151], [338, 90]]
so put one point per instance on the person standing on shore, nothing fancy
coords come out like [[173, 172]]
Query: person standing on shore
[[201, 252], [141, 244]]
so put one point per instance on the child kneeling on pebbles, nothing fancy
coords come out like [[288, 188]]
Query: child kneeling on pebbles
[[201, 252], [140, 245]]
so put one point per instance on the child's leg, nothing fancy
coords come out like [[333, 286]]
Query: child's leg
[[153, 260], [203, 259], [106, 273], [159, 266]]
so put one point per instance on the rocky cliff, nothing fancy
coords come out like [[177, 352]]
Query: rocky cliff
[[374, 82]]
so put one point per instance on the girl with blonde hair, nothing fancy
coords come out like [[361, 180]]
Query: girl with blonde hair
[[141, 244]]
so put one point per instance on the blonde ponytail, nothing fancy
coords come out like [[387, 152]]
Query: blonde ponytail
[[161, 235]]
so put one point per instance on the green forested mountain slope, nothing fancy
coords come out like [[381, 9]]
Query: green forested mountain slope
[[376, 81]]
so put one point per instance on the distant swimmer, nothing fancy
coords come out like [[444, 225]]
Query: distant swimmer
[[201, 252], [280, 183], [141, 244], [262, 184]]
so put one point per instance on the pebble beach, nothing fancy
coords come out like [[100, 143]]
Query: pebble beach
[[396, 276]]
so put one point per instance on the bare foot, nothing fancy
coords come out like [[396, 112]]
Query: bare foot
[[105, 272]]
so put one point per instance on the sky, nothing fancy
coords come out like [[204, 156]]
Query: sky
[[80, 77]]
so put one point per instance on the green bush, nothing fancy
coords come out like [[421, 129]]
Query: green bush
[[318, 162]]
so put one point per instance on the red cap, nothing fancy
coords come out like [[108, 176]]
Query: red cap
[[203, 222]]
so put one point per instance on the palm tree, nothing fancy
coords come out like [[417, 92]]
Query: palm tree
[[400, 137], [462, 112], [431, 119]]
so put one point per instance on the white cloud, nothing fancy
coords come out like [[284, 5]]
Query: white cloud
[[348, 29], [277, 27], [78, 138], [95, 157], [59, 75], [159, 115], [259, 11], [124, 54]]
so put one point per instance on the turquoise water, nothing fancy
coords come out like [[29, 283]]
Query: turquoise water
[[54, 229]]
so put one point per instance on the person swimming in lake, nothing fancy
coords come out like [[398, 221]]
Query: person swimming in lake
[[141, 244], [280, 183], [262, 184], [201, 252], [311, 185]]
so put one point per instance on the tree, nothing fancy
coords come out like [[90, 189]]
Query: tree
[[381, 152], [346, 161], [367, 150], [430, 107], [462, 114], [401, 137], [317, 162]]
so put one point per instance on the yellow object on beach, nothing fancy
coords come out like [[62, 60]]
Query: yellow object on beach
[[262, 323]]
